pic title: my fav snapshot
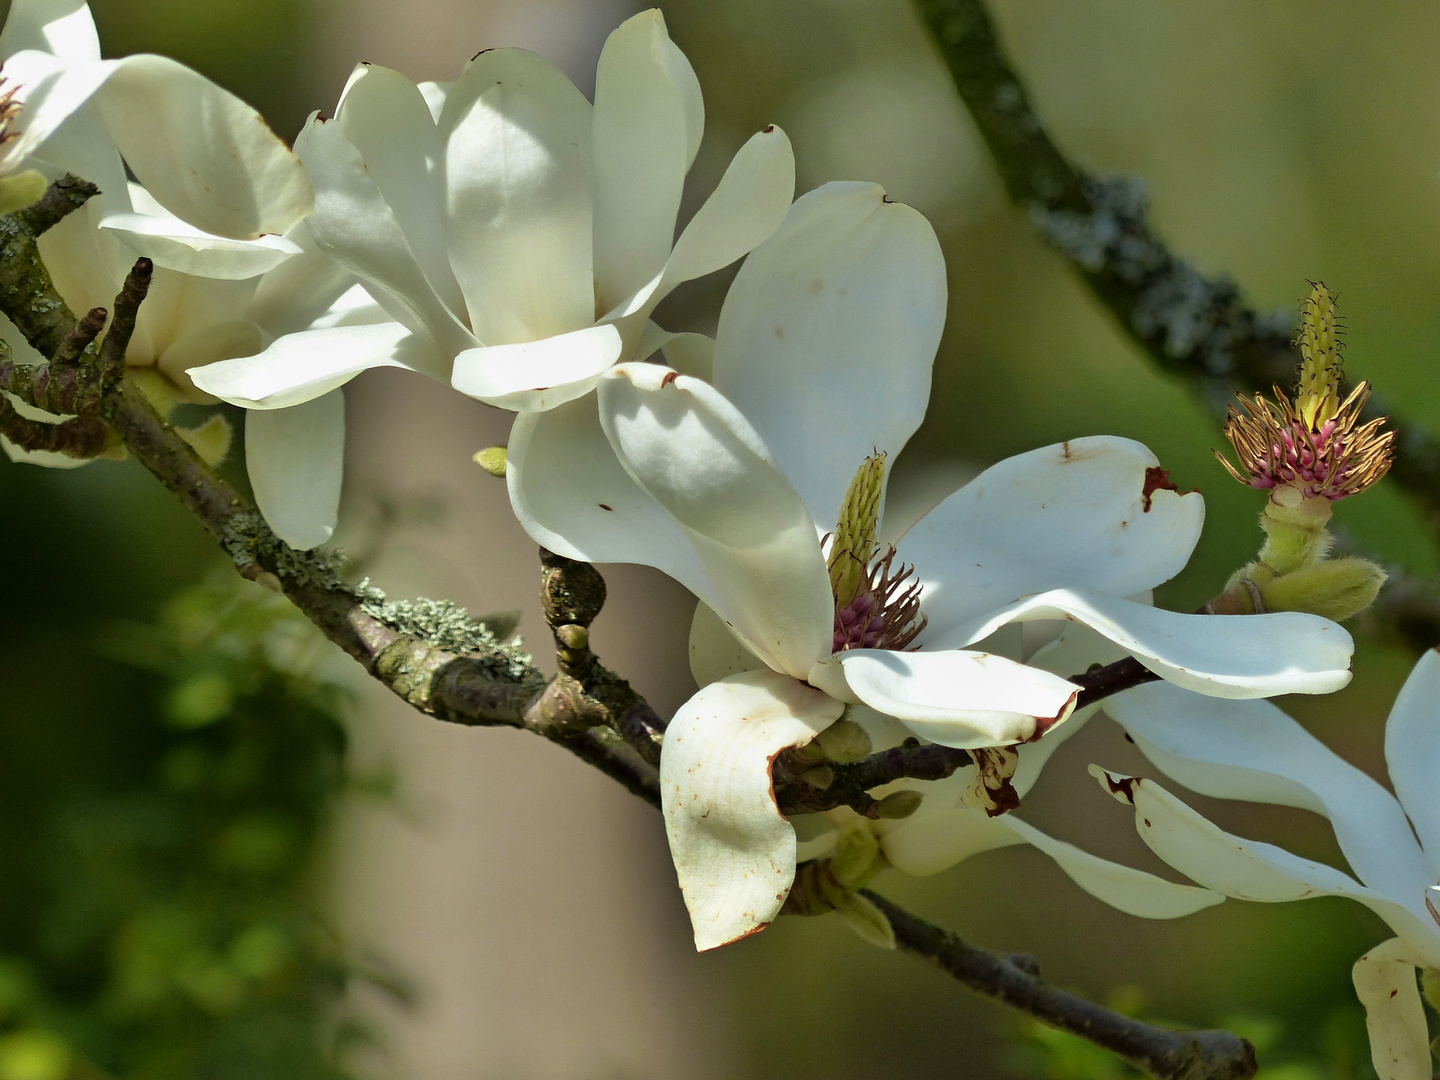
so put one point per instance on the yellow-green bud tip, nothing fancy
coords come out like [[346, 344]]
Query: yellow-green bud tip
[[1317, 395], [492, 459], [844, 742], [899, 804], [854, 544]]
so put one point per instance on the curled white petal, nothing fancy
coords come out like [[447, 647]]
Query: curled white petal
[[531, 376], [1399, 1035], [734, 851], [955, 698], [1228, 656]]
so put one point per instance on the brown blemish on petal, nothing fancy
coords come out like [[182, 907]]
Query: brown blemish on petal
[[604, 507], [1044, 723], [1125, 787], [1156, 479], [670, 377], [769, 130], [1065, 449]]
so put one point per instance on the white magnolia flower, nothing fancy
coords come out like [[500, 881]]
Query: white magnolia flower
[[946, 830], [519, 236], [201, 151], [1253, 751], [823, 359]]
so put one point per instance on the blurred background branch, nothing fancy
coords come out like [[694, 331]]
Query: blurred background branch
[[1198, 328]]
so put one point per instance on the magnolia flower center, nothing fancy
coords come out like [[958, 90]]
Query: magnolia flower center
[[1314, 442], [877, 604]]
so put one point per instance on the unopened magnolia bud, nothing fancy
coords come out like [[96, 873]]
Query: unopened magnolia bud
[[867, 920], [492, 459], [1334, 588], [857, 856], [844, 742], [899, 804], [822, 776]]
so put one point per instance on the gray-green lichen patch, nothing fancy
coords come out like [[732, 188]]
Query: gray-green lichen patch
[[448, 626]]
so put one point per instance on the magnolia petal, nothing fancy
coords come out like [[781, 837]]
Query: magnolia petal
[[387, 119], [518, 214], [689, 354], [747, 205], [1252, 750], [697, 457], [200, 150], [930, 844], [173, 244], [62, 27], [734, 851], [295, 458], [355, 226], [301, 367], [534, 375], [1412, 751], [645, 111], [715, 652], [1399, 1035], [308, 287], [828, 334], [961, 699], [1248, 869], [1227, 656], [49, 91], [571, 495], [205, 344], [1081, 514]]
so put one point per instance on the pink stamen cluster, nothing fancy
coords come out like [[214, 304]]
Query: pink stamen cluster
[[1333, 461], [885, 611]]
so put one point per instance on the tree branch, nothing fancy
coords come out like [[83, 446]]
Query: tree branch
[[1198, 328], [1169, 1055]]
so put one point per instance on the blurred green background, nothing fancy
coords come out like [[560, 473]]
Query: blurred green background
[[1281, 142]]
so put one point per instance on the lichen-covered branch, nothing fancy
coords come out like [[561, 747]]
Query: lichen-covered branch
[[1169, 1055], [1198, 328]]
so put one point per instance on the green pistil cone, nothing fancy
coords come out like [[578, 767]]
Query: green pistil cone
[[855, 544], [1317, 397]]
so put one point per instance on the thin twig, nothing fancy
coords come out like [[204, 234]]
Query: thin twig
[[1169, 1055], [1199, 328]]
